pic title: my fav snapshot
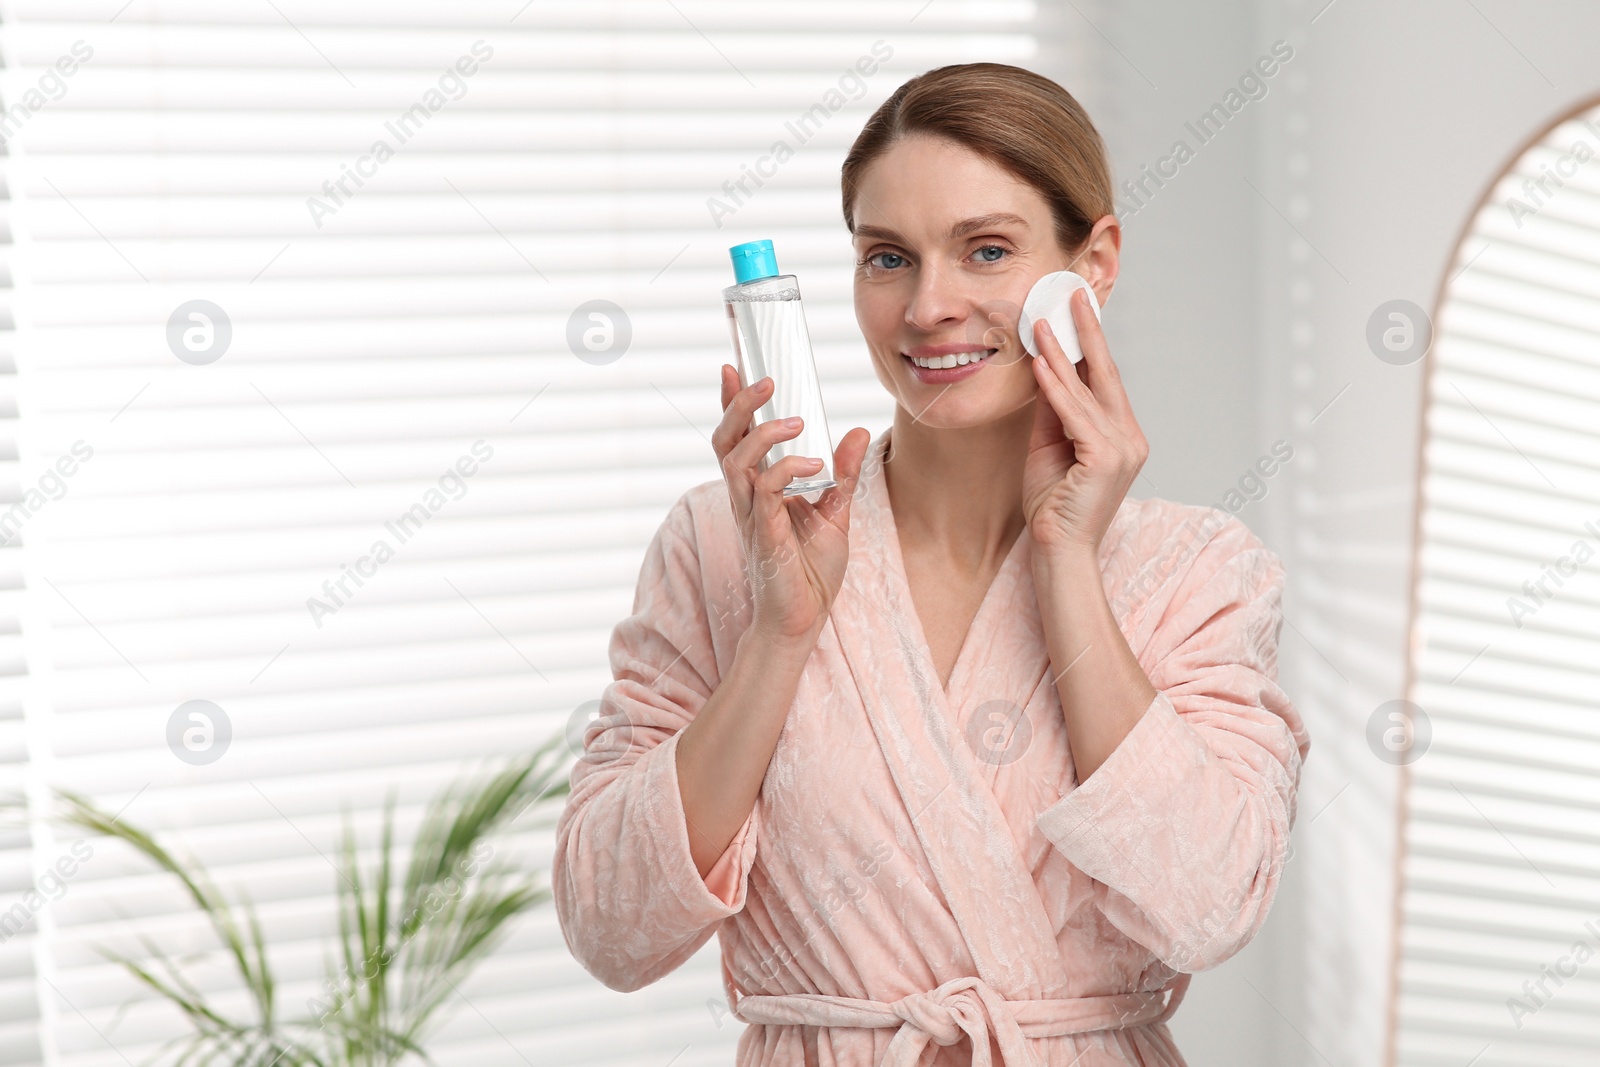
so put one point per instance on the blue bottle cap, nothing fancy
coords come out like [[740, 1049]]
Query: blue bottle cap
[[752, 260]]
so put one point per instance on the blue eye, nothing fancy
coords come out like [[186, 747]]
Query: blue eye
[[886, 257], [983, 258]]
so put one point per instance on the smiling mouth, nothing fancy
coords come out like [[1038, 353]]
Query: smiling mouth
[[955, 359]]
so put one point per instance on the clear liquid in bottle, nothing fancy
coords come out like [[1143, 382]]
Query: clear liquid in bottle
[[767, 321]]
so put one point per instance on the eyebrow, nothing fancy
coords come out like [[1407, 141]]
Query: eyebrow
[[960, 229], [987, 222]]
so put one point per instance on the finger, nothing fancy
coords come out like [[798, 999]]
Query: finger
[[770, 505], [730, 430], [1105, 381], [730, 385], [739, 461], [851, 453], [1056, 358], [1048, 432], [1047, 428], [772, 480], [736, 418], [1072, 395], [746, 455], [1076, 423]]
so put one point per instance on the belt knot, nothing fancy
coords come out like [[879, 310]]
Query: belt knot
[[966, 1005]]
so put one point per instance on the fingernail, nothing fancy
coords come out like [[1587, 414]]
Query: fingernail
[[792, 422]]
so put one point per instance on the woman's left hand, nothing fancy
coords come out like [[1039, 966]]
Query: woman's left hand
[[1086, 447]]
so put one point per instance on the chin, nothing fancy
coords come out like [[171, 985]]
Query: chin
[[956, 408]]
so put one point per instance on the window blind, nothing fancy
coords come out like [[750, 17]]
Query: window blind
[[20, 900], [1499, 958], [280, 342]]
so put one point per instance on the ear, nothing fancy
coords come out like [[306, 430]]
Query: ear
[[1099, 257]]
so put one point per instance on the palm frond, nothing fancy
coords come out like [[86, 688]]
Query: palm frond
[[81, 812], [404, 944]]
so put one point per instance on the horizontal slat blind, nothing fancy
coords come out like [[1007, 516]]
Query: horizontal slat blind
[[378, 331], [20, 900], [1500, 937]]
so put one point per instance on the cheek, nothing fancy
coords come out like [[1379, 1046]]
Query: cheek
[[879, 313], [994, 323], [1015, 378]]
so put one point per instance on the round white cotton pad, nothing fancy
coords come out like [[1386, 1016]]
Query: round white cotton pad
[[1048, 300]]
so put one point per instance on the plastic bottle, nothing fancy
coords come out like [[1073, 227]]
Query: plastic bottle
[[768, 324]]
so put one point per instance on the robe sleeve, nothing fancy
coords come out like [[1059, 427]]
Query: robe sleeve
[[631, 904], [1185, 826]]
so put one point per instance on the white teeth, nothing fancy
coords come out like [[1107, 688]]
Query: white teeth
[[959, 359]]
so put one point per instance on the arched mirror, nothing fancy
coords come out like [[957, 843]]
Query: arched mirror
[[1498, 948]]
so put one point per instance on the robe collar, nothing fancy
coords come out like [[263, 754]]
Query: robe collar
[[946, 790]]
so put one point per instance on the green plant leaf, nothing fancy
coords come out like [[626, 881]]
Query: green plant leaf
[[403, 946]]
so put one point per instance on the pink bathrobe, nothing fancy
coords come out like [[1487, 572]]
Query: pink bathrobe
[[923, 882]]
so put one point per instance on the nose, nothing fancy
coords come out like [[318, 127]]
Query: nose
[[936, 302]]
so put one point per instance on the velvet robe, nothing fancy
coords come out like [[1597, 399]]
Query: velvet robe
[[923, 880]]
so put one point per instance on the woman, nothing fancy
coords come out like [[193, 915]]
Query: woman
[[980, 772]]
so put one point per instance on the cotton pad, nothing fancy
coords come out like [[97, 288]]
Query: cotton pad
[[1048, 300]]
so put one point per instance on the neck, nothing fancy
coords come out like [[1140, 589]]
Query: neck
[[957, 493]]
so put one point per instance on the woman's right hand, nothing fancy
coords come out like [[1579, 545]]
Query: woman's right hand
[[795, 551]]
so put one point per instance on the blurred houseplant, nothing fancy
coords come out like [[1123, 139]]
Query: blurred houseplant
[[403, 948]]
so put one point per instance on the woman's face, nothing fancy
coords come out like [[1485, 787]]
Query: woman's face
[[947, 245]]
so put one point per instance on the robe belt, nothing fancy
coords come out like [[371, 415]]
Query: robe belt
[[967, 1005]]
